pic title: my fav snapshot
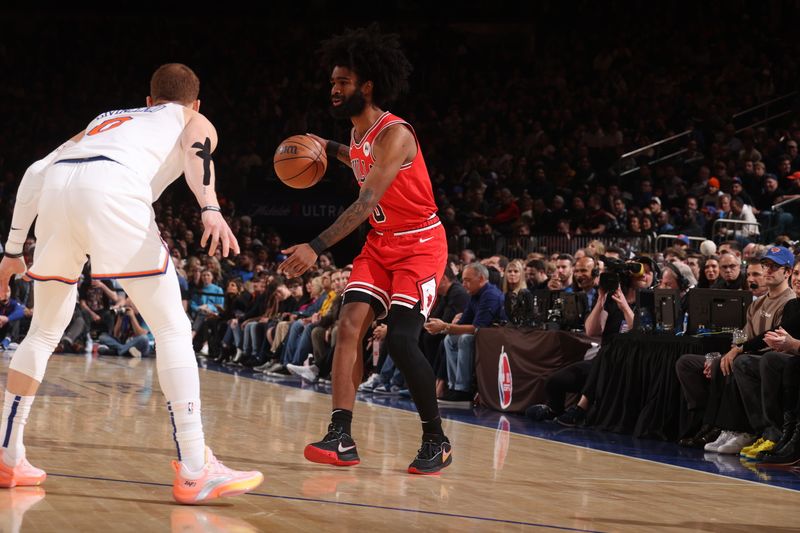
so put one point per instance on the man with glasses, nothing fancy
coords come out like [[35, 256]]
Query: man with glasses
[[758, 376], [730, 273], [735, 400], [704, 384]]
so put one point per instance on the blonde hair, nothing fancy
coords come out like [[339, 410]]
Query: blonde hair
[[599, 247], [316, 285], [213, 264], [521, 269], [193, 262]]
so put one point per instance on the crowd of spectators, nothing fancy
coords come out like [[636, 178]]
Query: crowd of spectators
[[513, 158]]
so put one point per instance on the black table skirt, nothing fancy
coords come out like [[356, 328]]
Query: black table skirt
[[638, 390]]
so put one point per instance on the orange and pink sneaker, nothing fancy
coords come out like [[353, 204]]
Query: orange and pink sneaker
[[216, 481], [22, 475]]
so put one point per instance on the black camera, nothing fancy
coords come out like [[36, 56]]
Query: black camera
[[618, 273]]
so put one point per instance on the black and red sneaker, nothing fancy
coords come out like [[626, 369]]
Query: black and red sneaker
[[434, 455], [336, 448]]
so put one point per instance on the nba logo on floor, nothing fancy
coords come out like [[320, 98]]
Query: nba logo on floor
[[504, 384]]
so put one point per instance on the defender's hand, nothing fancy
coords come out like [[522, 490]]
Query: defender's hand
[[218, 230]]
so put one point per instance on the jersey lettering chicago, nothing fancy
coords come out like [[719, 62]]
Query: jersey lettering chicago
[[145, 140], [408, 202]]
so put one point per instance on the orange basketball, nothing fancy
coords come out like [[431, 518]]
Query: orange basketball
[[300, 161]]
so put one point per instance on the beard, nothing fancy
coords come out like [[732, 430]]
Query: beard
[[350, 107]]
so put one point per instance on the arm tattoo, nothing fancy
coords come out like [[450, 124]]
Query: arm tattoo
[[339, 151], [352, 217], [343, 154], [204, 153]]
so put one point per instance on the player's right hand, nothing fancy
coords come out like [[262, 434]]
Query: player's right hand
[[218, 230], [8, 267]]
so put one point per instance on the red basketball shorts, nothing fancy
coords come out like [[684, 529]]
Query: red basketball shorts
[[400, 268]]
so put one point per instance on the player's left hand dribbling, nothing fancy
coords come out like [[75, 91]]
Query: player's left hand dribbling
[[301, 257]]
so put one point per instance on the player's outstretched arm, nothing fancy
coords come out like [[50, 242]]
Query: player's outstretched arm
[[396, 145], [26, 208], [198, 142], [27, 201]]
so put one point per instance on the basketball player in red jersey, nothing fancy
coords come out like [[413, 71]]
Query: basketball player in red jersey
[[404, 257]]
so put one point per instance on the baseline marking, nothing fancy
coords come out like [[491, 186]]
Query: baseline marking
[[349, 504]]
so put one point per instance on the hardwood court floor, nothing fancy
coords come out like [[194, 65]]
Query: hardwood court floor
[[100, 429]]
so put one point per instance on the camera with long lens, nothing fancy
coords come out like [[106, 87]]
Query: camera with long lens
[[618, 273]]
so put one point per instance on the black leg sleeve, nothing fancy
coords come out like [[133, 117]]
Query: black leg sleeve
[[404, 327]]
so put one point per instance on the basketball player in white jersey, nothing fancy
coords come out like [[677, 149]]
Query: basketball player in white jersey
[[93, 196]]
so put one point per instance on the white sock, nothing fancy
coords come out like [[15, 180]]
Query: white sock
[[187, 430], [15, 414]]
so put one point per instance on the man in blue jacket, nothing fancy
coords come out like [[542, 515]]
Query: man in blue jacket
[[485, 307]]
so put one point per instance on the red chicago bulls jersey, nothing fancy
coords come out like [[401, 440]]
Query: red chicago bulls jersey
[[409, 200]]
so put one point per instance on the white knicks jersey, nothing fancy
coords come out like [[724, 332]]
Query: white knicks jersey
[[146, 140]]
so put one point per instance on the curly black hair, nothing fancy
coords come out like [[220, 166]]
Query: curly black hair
[[372, 56]]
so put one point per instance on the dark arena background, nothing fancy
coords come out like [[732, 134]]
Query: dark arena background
[[627, 173]]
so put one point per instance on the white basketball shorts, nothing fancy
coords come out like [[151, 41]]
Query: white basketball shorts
[[98, 209]]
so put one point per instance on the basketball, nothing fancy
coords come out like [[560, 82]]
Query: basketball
[[300, 161]]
